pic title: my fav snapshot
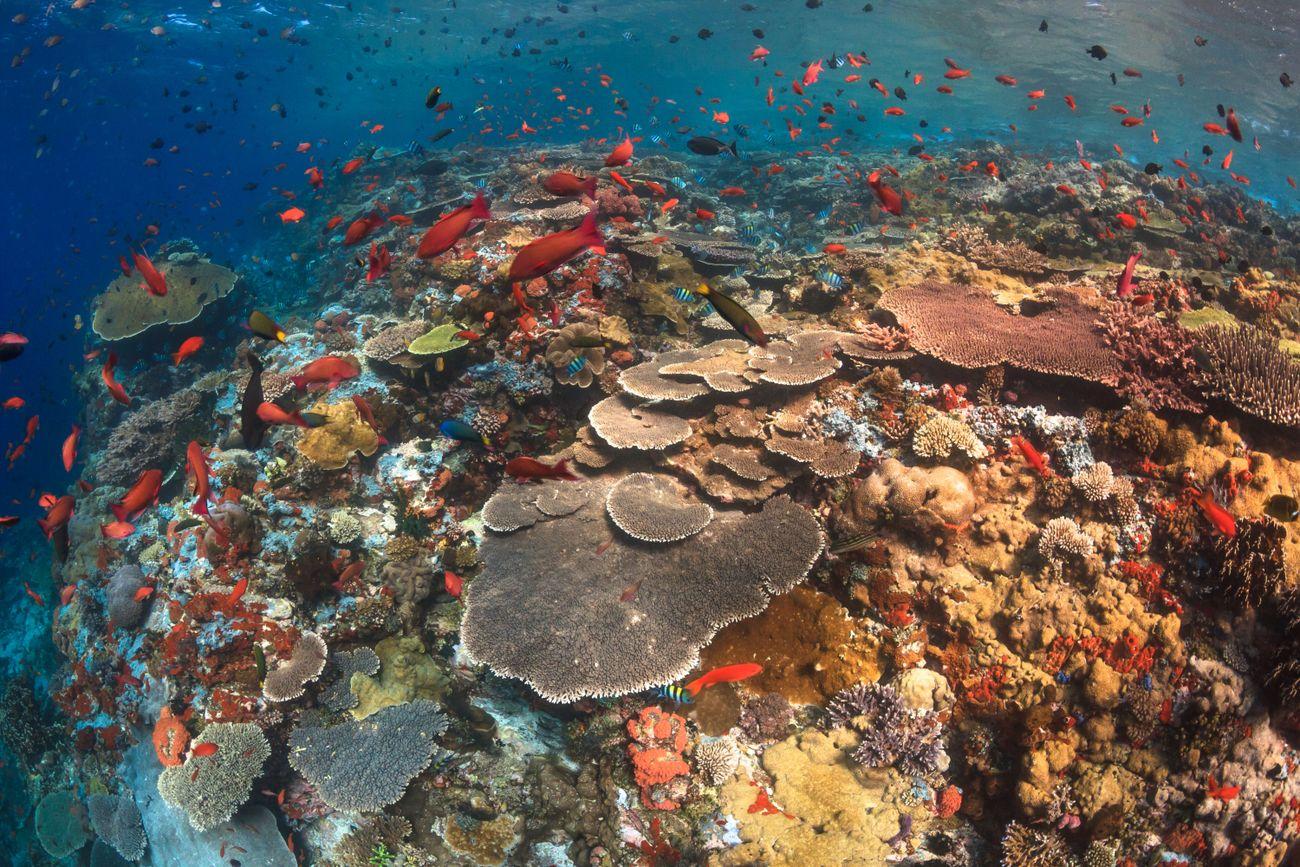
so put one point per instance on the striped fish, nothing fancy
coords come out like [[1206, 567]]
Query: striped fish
[[855, 542], [672, 692], [684, 295], [830, 278], [575, 367]]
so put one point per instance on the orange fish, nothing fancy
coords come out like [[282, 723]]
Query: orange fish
[[358, 230], [35, 597], [196, 464], [59, 513], [1128, 221], [444, 234], [292, 215], [15, 403], [894, 111], [890, 200], [116, 530], [332, 369], [153, 280], [725, 674], [368, 415], [114, 387], [731, 191], [668, 206], [569, 184], [835, 249], [550, 252], [205, 749], [1131, 120], [188, 347], [237, 592], [353, 164], [526, 469], [702, 214], [453, 582], [620, 155], [140, 496], [70, 448], [1069, 101], [620, 180], [1216, 514]]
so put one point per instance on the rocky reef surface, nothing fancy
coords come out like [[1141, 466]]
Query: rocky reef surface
[[1013, 543]]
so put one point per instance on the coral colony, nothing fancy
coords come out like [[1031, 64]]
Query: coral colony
[[721, 535]]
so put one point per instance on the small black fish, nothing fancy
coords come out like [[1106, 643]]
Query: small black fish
[[1267, 231], [1113, 79], [433, 97], [747, 7], [704, 33], [1201, 41], [1042, 26], [1097, 51], [914, 150], [1219, 109], [758, 34], [1180, 79], [812, 4], [1207, 150], [868, 8], [672, 40], [1282, 507], [709, 147], [313, 419], [440, 135], [1153, 168], [1286, 80], [900, 93]]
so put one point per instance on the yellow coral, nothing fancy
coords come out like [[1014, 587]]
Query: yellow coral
[[344, 433], [488, 843], [125, 309], [406, 672]]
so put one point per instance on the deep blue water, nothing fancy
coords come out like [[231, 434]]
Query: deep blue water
[[236, 86]]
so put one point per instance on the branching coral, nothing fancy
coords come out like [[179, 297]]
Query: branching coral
[[943, 435], [209, 788], [1096, 482], [891, 734], [365, 765], [1023, 846], [1063, 539], [716, 760], [1156, 364], [1245, 367], [1249, 565]]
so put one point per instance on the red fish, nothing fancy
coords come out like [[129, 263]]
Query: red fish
[[1234, 128], [1128, 221], [1214, 129], [1069, 101], [731, 191], [8, 520], [14, 403], [143, 593], [59, 513], [331, 369], [569, 184], [70, 448], [620, 180], [237, 592], [314, 177], [203, 750], [116, 530], [353, 164], [1125, 283], [153, 280], [273, 414], [11, 345], [453, 582], [35, 597], [620, 155], [141, 495], [889, 199], [196, 464], [124, 265], [114, 387], [444, 234], [812, 73], [1223, 793], [702, 214], [835, 249], [1216, 514], [550, 252], [379, 262], [359, 228], [524, 469], [1008, 80], [725, 674], [187, 348], [1033, 456]]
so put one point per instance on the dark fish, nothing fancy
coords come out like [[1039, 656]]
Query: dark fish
[[440, 135], [264, 326], [738, 317], [1286, 80], [914, 150], [812, 4], [433, 97], [251, 426], [1153, 168], [855, 542], [758, 34], [1219, 109], [313, 419], [1113, 79], [707, 146], [673, 692], [1282, 507], [704, 33], [1201, 41], [1267, 231], [1207, 150], [900, 93], [1098, 52], [187, 524], [589, 341], [868, 8], [1042, 26], [456, 429]]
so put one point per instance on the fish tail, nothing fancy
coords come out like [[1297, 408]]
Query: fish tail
[[200, 507], [589, 233], [119, 511], [479, 208], [703, 290], [299, 382], [562, 470], [46, 527], [589, 187], [732, 148]]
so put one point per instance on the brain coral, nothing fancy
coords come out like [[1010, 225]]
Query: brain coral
[[125, 310], [210, 788], [966, 327], [365, 765], [569, 605]]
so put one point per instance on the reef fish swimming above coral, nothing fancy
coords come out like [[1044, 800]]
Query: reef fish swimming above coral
[[731, 434]]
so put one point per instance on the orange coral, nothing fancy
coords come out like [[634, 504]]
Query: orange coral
[[948, 802], [658, 741], [170, 739]]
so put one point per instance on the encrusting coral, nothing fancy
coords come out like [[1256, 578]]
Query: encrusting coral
[[342, 434]]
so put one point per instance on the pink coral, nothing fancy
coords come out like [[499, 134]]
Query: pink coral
[[658, 741], [613, 202], [1156, 364]]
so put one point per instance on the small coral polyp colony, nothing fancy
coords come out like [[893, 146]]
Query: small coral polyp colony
[[980, 549]]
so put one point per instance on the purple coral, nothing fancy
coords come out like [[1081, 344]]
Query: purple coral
[[892, 734], [767, 718], [1156, 364]]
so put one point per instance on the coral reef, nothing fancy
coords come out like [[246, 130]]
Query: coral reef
[[211, 784]]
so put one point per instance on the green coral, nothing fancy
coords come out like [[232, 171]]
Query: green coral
[[440, 340]]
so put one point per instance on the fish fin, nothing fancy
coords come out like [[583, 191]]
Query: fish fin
[[299, 382], [562, 470], [479, 209], [589, 187], [694, 687], [732, 148], [119, 511], [200, 507], [45, 526]]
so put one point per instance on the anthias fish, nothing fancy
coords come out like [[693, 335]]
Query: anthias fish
[[196, 465], [525, 469], [139, 496], [544, 255], [725, 674], [569, 184], [57, 516], [329, 371], [443, 235]]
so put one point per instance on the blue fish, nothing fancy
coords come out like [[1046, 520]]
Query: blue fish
[[830, 278], [672, 692], [454, 428], [678, 183], [684, 295], [823, 214], [575, 367]]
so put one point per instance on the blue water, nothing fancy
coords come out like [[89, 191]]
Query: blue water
[[82, 117]]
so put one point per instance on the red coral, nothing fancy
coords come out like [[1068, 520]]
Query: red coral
[[658, 741], [948, 802], [170, 738]]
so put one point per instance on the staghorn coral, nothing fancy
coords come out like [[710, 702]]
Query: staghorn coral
[[116, 820], [1096, 482], [563, 351], [365, 765], [966, 327], [943, 435], [1282, 672], [527, 619], [391, 342], [1249, 566], [1023, 846], [1155, 358], [359, 845], [1245, 367], [208, 789], [766, 718], [22, 728], [891, 735], [289, 679]]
